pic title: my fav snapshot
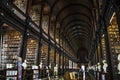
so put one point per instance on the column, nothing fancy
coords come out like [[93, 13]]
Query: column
[[55, 44], [24, 41], [48, 55], [1, 23], [59, 70], [39, 44], [63, 63], [101, 55]]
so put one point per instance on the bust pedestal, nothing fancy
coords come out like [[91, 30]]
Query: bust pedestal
[[104, 76]]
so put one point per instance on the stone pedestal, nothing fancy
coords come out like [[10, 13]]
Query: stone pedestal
[[105, 76]]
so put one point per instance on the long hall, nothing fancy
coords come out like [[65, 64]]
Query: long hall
[[59, 39]]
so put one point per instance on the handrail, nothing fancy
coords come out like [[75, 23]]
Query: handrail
[[33, 25], [13, 8], [44, 34]]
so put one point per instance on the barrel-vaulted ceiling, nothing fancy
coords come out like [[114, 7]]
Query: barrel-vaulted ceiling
[[76, 19]]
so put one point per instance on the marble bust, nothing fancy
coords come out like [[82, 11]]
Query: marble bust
[[118, 63], [105, 65], [99, 67], [41, 65], [24, 64]]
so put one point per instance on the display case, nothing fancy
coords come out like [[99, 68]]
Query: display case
[[10, 47], [11, 74], [35, 74], [31, 53]]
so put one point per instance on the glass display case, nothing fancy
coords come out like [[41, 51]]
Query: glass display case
[[35, 74], [11, 74]]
